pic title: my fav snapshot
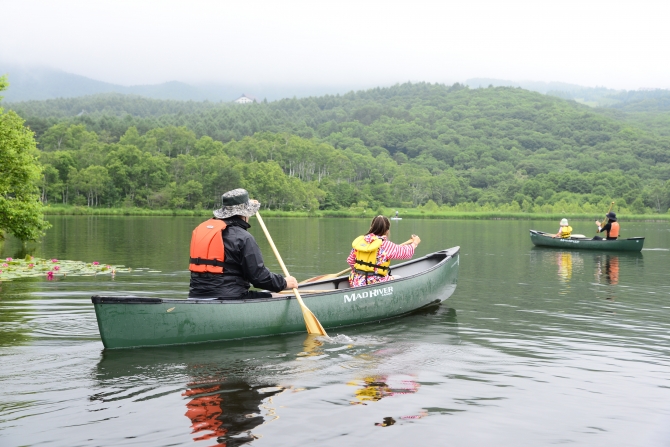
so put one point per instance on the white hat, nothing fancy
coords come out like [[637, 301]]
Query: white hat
[[564, 222]]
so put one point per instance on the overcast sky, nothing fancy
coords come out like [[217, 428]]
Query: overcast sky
[[617, 44]]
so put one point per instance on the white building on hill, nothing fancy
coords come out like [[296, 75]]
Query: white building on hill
[[245, 99]]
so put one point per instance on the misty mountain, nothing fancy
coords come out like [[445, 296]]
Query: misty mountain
[[44, 83], [650, 100], [593, 96], [534, 86], [26, 84]]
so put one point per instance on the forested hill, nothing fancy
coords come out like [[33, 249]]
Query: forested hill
[[398, 146], [108, 104]]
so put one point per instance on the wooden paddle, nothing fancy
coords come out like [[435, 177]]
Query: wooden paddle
[[335, 275], [311, 322], [307, 291], [328, 276], [607, 218]]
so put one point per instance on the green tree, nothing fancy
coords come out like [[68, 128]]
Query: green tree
[[20, 206], [93, 182]]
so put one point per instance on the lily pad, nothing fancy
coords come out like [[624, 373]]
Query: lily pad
[[51, 269]]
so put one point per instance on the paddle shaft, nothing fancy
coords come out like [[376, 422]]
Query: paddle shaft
[[285, 270], [306, 291], [276, 252], [335, 275], [327, 276], [607, 218], [348, 269]]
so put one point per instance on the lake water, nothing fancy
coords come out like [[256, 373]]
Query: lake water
[[536, 347]]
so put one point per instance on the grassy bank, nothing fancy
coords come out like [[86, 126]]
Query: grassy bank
[[404, 213]]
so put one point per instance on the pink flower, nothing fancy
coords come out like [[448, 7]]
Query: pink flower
[[31, 266], [9, 259], [95, 263], [50, 276], [4, 264], [57, 267], [0, 271], [54, 260]]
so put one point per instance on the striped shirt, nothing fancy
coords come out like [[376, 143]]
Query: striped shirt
[[387, 251]]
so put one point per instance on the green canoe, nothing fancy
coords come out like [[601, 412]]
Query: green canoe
[[582, 243], [127, 322]]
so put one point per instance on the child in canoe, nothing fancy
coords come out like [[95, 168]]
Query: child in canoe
[[564, 230], [371, 254]]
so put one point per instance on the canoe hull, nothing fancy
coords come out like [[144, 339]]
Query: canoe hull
[[542, 240], [135, 322]]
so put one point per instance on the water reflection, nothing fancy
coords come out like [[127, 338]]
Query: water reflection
[[313, 345], [225, 396], [228, 411], [226, 391], [375, 388], [15, 328], [607, 269], [515, 357], [566, 262]]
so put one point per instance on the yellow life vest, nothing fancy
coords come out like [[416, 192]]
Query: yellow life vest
[[366, 256], [566, 232]]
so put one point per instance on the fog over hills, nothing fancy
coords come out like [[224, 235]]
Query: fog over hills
[[40, 83]]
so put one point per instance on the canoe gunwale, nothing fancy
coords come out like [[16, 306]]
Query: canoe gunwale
[[448, 254], [135, 322], [631, 244], [548, 235]]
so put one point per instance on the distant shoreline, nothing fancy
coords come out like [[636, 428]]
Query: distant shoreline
[[407, 214]]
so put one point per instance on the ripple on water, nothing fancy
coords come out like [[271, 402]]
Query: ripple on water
[[553, 347]]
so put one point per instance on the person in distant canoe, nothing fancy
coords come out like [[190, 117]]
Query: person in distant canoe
[[371, 254], [564, 230], [611, 227], [225, 258]]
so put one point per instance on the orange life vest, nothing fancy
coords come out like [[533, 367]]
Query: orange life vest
[[207, 251], [614, 230]]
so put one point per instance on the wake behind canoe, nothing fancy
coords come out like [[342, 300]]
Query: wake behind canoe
[[127, 322], [541, 239]]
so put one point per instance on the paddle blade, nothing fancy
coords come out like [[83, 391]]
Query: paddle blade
[[312, 323]]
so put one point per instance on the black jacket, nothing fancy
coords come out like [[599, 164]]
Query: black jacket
[[242, 267]]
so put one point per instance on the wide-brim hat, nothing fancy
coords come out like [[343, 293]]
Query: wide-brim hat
[[564, 222], [236, 203], [611, 216]]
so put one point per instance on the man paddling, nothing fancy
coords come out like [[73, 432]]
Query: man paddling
[[611, 227], [225, 258]]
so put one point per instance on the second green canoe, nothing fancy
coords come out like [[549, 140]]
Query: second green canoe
[[541, 239]]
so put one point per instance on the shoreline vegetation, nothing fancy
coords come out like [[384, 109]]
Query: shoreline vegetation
[[426, 150], [360, 213]]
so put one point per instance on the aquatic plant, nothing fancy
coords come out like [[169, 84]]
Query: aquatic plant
[[45, 268]]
